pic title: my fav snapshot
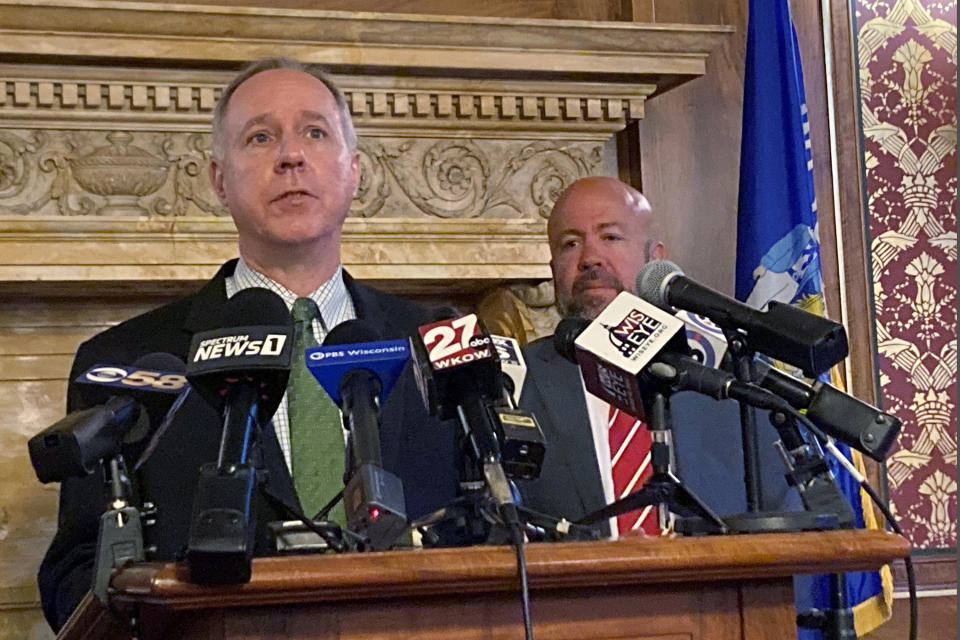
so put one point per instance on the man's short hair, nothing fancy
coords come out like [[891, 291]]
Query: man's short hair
[[268, 64]]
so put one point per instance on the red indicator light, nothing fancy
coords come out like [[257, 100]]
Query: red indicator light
[[374, 513]]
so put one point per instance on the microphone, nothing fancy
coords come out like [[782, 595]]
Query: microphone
[[240, 366], [128, 402], [245, 356], [458, 372], [841, 415], [838, 414], [460, 375], [512, 365], [784, 332], [615, 348], [358, 370], [631, 345]]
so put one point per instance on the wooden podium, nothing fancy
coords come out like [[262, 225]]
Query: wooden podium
[[716, 588]]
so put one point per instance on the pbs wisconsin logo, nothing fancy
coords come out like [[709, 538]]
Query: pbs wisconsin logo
[[316, 356]]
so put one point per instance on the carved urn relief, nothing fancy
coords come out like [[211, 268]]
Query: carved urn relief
[[120, 172]]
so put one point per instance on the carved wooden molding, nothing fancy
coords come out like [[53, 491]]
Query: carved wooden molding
[[377, 104], [469, 129]]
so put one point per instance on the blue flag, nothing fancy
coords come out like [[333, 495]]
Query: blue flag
[[778, 248]]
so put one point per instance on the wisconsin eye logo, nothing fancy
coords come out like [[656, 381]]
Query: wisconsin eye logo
[[634, 332]]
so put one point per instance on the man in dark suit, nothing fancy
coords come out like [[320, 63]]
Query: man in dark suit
[[285, 165], [601, 232]]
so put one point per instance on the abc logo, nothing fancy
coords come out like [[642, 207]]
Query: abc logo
[[479, 341]]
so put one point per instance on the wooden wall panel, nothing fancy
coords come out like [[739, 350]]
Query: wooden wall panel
[[693, 11], [571, 9], [808, 23], [690, 145]]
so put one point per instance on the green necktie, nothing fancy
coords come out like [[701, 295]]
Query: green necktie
[[316, 434]]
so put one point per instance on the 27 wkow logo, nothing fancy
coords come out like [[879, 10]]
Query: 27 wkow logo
[[454, 342]]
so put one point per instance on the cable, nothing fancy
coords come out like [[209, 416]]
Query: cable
[[331, 539], [511, 518], [524, 589], [907, 562], [830, 445]]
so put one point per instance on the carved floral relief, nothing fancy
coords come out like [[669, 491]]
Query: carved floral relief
[[123, 173]]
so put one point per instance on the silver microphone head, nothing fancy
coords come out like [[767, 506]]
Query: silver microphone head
[[652, 281]]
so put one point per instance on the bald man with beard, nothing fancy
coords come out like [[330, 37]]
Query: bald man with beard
[[601, 232]]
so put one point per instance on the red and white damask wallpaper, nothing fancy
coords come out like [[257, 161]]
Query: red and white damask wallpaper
[[908, 82]]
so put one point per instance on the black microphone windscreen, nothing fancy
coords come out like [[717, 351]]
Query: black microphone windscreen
[[351, 332], [156, 405], [566, 334], [446, 312], [249, 341], [650, 281], [255, 306], [161, 361]]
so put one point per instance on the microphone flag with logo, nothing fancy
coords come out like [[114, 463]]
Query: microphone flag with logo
[[616, 347], [250, 343], [454, 355], [125, 404], [358, 371], [512, 364], [385, 358]]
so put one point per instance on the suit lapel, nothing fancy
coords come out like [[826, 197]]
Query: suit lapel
[[562, 392], [209, 300]]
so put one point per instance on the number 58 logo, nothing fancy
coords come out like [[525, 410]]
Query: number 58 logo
[[130, 377]]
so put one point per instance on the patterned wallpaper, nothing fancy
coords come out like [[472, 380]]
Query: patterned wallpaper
[[908, 83]]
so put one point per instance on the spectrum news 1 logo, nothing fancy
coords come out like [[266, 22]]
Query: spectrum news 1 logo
[[235, 346]]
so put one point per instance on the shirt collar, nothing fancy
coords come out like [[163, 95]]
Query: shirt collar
[[331, 296]]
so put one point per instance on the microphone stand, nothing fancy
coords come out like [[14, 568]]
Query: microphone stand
[[486, 510], [808, 471], [756, 519], [663, 488], [743, 370], [223, 525], [120, 538]]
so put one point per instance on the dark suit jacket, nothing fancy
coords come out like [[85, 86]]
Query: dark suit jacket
[[706, 436], [416, 447]]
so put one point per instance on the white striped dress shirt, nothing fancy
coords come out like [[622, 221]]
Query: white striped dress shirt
[[335, 306]]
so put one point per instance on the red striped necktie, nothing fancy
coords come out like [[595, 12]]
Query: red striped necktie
[[630, 462]]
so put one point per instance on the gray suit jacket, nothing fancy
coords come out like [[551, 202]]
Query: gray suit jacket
[[706, 436]]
